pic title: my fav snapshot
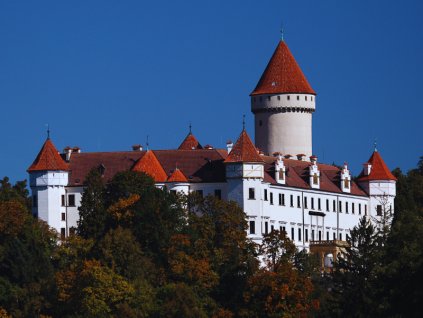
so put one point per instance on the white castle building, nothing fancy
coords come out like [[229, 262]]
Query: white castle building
[[278, 182]]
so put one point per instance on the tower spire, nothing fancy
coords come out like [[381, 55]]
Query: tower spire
[[281, 31], [190, 128], [243, 122], [48, 131], [375, 145], [147, 143]]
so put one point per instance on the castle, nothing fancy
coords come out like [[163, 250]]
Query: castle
[[278, 182]]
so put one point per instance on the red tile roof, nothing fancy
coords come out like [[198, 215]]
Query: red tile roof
[[282, 75], [150, 165], [48, 159], [244, 150], [379, 169], [177, 176], [190, 143], [297, 176]]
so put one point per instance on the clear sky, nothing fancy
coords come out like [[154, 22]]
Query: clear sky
[[105, 74]]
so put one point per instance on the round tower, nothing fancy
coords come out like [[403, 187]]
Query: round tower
[[283, 103]]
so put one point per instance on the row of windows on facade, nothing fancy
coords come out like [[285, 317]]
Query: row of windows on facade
[[268, 196], [313, 236], [288, 97]]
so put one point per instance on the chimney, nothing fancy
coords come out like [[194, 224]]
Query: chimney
[[367, 168], [67, 151], [301, 157], [137, 148], [287, 156], [229, 145], [208, 147], [76, 149], [313, 159]]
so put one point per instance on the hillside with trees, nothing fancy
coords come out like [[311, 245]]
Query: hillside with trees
[[140, 251]]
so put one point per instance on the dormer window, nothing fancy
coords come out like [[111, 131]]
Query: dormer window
[[281, 174], [315, 179], [346, 184]]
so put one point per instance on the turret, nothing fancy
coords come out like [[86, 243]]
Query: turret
[[283, 103], [48, 177], [380, 185]]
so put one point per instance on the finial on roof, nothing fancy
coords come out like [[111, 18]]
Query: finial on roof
[[281, 31], [190, 128], [147, 144], [375, 145], [48, 131], [243, 122]]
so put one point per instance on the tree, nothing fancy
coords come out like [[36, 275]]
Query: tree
[[92, 212]]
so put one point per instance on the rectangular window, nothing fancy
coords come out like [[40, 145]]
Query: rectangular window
[[284, 229], [347, 237], [319, 205], [272, 228], [299, 234], [353, 207], [340, 206], [320, 235], [365, 209], [63, 217], [327, 205], [71, 199], [199, 193], [34, 201], [334, 236], [281, 199], [265, 195], [359, 208], [327, 236], [63, 200], [340, 236], [346, 207], [251, 194], [334, 206], [266, 227], [252, 227], [298, 201], [292, 234], [218, 193], [378, 210], [306, 235], [305, 202], [312, 203], [312, 235], [271, 197], [62, 233], [291, 200], [72, 231]]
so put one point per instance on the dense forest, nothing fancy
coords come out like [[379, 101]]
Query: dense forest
[[140, 251]]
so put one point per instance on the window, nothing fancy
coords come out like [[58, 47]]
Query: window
[[312, 203], [292, 233], [62, 233], [72, 231], [306, 98], [346, 184], [288, 97], [298, 97], [327, 205], [218, 193], [298, 201], [251, 194], [365, 209], [327, 236], [340, 206], [265, 194], [283, 228], [315, 179], [269, 97], [312, 235], [252, 227], [272, 228], [353, 207], [291, 199], [311, 98], [63, 200], [299, 234], [306, 235], [279, 98], [359, 208], [199, 193], [334, 236], [71, 199], [281, 174], [378, 210], [305, 202], [346, 207], [63, 217], [319, 206], [266, 227], [281, 199], [271, 197], [347, 237], [34, 201], [340, 236], [334, 206], [320, 235]]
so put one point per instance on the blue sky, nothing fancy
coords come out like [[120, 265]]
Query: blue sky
[[105, 74]]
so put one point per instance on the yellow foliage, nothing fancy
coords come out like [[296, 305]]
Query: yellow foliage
[[122, 209]]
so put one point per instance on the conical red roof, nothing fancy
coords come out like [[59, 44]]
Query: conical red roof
[[48, 159], [379, 170], [244, 150], [177, 176], [282, 75], [190, 143], [151, 166]]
